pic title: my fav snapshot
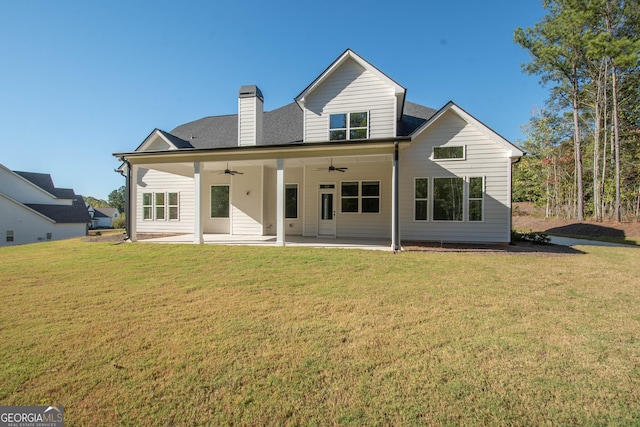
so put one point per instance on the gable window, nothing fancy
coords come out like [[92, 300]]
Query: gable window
[[448, 199], [10, 235], [173, 206], [219, 201], [347, 126], [476, 198], [147, 206], [449, 153], [421, 197], [291, 201], [360, 196]]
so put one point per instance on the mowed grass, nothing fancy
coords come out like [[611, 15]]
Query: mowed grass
[[148, 335]]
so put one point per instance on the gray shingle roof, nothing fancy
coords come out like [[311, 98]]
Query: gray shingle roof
[[64, 214], [281, 126]]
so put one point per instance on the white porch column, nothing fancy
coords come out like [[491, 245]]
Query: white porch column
[[395, 219], [197, 204], [132, 213], [280, 203]]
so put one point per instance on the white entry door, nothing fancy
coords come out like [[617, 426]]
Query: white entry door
[[327, 211]]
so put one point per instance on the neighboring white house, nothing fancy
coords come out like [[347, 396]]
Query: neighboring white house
[[33, 210], [350, 157], [102, 217]]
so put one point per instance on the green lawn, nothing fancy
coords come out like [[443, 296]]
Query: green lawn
[[143, 334]]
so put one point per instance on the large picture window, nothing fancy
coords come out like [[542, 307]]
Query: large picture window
[[476, 192], [346, 126], [291, 201], [360, 197], [448, 196], [219, 201], [421, 194]]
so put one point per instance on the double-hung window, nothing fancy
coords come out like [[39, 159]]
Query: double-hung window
[[347, 126], [360, 197], [160, 206], [476, 199], [421, 210], [173, 206], [147, 206], [10, 235]]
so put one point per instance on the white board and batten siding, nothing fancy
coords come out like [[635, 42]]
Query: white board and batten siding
[[153, 181], [348, 90], [484, 158]]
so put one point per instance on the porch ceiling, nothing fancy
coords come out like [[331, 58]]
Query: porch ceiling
[[186, 168]]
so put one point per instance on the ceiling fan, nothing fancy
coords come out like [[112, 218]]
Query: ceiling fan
[[228, 171], [333, 168]]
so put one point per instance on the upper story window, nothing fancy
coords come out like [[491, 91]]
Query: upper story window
[[346, 126], [449, 153]]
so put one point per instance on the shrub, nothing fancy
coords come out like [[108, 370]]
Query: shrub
[[530, 236], [120, 222]]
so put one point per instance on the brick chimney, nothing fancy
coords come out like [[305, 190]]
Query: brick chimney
[[250, 112]]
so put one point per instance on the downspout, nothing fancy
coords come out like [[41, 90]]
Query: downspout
[[395, 237], [127, 200]]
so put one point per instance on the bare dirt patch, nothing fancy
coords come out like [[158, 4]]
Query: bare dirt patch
[[527, 217]]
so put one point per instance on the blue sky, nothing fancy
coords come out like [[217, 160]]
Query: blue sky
[[80, 80]]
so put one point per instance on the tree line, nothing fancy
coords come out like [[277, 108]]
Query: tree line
[[584, 146]]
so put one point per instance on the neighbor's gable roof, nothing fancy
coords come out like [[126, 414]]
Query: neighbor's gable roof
[[493, 135], [106, 212], [399, 91]]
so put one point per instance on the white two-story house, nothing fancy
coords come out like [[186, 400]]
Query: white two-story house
[[349, 158]]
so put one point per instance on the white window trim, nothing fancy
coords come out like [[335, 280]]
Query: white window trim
[[482, 198], [433, 153], [464, 200], [229, 201], [169, 206], [360, 197], [150, 206], [415, 199], [297, 217], [348, 128], [153, 206]]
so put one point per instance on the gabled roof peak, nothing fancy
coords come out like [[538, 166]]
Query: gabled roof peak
[[399, 91]]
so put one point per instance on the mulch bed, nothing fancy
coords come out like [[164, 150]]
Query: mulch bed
[[503, 249]]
